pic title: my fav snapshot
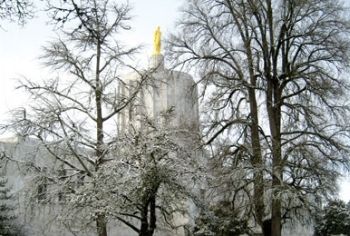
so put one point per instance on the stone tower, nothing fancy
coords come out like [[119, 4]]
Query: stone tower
[[162, 90]]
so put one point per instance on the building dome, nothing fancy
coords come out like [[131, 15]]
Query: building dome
[[160, 90]]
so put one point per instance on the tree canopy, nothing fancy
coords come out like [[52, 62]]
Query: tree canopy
[[334, 219], [274, 75], [16, 11]]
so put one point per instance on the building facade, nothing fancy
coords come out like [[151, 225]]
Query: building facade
[[163, 92]]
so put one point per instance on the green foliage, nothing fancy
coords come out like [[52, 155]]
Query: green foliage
[[221, 220], [334, 219], [7, 211]]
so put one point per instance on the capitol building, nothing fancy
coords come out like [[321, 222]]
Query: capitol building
[[167, 90]]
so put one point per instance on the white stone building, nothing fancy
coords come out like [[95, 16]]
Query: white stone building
[[167, 90]]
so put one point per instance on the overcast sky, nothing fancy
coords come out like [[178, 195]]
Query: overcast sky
[[20, 48]]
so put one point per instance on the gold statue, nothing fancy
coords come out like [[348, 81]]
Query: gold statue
[[157, 41]]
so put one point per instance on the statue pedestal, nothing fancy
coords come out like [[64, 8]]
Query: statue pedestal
[[156, 62]]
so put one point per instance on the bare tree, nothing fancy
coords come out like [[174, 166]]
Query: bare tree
[[291, 56], [18, 10], [74, 114], [154, 177], [231, 85], [141, 177]]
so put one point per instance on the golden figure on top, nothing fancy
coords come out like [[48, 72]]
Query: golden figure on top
[[157, 41]]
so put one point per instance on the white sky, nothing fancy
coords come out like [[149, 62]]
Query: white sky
[[20, 48]]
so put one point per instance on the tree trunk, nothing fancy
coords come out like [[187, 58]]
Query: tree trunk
[[99, 115], [153, 218], [144, 221], [277, 177], [148, 225], [274, 113], [257, 162], [276, 226], [101, 218], [101, 225]]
